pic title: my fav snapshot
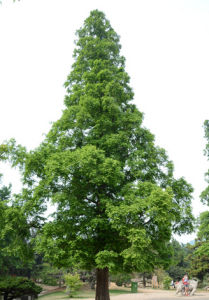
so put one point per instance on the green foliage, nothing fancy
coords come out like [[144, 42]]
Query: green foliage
[[46, 279], [205, 281], [199, 265], [205, 194], [161, 274], [73, 283], [199, 255], [15, 249], [14, 287], [176, 272], [203, 229], [180, 264], [201, 248], [50, 275], [121, 279], [167, 282]]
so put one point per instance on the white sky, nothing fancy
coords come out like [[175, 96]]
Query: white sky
[[166, 46]]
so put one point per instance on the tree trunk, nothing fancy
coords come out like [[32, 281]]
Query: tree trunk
[[102, 284], [5, 296], [144, 280]]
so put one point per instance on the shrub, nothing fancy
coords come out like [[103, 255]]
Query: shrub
[[14, 287], [48, 280], [121, 279], [167, 282]]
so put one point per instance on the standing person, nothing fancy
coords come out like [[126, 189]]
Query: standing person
[[185, 281]]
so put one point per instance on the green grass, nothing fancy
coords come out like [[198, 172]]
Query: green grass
[[81, 294], [118, 292], [54, 296]]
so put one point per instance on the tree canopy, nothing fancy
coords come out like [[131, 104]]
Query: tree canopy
[[117, 201], [16, 253]]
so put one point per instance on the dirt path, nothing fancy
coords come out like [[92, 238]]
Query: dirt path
[[159, 294], [143, 294]]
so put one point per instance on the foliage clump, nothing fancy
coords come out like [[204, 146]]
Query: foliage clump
[[167, 282]]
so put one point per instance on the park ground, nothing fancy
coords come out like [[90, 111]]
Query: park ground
[[123, 294]]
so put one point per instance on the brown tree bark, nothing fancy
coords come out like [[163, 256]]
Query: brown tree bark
[[144, 280], [102, 284]]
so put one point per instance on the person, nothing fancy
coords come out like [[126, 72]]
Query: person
[[185, 281], [172, 284]]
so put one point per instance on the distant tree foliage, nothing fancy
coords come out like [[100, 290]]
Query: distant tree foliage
[[180, 264], [205, 194], [200, 251]]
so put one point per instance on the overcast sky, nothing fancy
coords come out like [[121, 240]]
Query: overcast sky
[[166, 46]]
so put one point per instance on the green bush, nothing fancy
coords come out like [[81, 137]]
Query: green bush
[[49, 275], [167, 282], [14, 287], [204, 282], [73, 283], [49, 281], [121, 279]]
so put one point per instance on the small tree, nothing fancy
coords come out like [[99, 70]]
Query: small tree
[[14, 287], [73, 283], [167, 282]]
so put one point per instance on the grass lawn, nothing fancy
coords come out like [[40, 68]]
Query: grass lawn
[[81, 294]]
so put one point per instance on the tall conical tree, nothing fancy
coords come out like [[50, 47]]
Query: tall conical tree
[[116, 199]]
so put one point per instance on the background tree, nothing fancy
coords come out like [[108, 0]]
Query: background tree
[[116, 199], [200, 251], [16, 251], [205, 194], [200, 261], [180, 264]]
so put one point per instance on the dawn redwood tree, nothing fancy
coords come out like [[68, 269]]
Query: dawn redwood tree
[[116, 199]]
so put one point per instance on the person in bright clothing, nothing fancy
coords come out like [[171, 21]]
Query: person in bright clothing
[[185, 281]]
